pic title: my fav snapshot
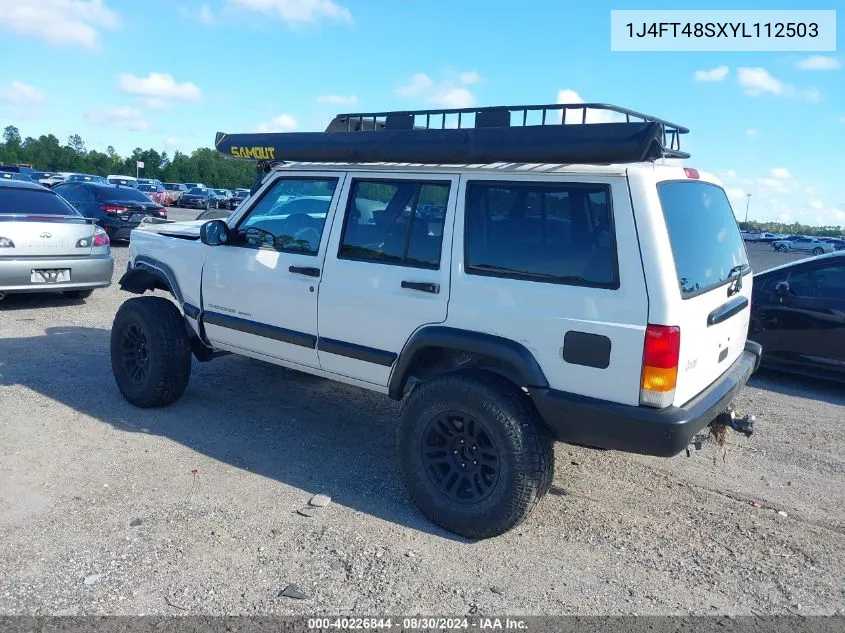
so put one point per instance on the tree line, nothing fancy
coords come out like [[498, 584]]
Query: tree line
[[47, 153], [796, 228]]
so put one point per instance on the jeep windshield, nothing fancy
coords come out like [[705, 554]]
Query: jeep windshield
[[706, 242]]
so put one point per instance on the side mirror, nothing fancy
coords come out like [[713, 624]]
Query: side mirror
[[214, 233], [782, 289]]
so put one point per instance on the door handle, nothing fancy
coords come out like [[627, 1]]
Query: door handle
[[305, 270], [422, 286]]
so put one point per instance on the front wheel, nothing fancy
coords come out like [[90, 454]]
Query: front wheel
[[817, 251], [150, 352], [473, 453]]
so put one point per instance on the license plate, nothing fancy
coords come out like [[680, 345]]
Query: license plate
[[137, 217], [50, 276]]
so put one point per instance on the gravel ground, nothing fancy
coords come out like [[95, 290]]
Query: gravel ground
[[107, 509]]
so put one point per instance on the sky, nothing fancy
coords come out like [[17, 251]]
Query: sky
[[169, 74]]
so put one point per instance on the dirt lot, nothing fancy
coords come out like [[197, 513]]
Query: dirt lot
[[193, 509]]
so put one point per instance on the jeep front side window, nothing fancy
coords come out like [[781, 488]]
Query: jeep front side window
[[290, 216], [395, 222]]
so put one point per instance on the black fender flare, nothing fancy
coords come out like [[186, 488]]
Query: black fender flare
[[148, 274], [515, 355]]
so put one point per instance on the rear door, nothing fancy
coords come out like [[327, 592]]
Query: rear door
[[711, 302], [386, 271]]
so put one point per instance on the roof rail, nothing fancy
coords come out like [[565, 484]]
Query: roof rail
[[553, 133]]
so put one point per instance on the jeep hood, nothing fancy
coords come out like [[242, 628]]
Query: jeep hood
[[190, 229]]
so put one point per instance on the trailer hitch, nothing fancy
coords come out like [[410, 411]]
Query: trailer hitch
[[727, 419]]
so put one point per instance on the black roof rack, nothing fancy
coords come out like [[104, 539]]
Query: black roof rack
[[555, 133]]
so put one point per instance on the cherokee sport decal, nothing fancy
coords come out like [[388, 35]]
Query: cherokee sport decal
[[260, 153]]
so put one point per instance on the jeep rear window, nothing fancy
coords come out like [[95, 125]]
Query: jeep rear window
[[705, 238]]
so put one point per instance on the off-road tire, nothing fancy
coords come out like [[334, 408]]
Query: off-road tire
[[525, 451], [166, 347], [77, 294], [817, 251]]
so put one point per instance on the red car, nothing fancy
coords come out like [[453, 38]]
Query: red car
[[156, 193]]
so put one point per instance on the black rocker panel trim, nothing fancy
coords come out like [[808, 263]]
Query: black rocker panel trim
[[589, 350], [507, 351], [358, 352], [260, 329]]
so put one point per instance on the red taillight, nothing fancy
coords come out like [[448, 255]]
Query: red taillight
[[662, 346], [691, 173], [113, 208], [101, 239]]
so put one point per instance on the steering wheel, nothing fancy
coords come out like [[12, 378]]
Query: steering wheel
[[296, 222]]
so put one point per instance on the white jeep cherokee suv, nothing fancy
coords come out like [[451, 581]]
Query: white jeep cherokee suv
[[519, 285]]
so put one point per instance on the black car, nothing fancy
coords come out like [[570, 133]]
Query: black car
[[238, 196], [198, 198], [117, 209], [798, 316]]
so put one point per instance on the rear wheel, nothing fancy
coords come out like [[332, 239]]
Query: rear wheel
[[473, 453], [817, 251], [150, 352], [77, 294]]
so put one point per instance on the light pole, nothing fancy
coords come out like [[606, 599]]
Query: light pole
[[747, 203]]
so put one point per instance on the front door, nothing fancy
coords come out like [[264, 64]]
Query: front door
[[386, 271], [260, 290]]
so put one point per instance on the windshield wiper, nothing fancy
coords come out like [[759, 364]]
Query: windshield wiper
[[571, 279], [735, 274]]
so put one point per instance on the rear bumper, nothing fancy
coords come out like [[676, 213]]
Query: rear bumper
[[661, 432], [85, 273]]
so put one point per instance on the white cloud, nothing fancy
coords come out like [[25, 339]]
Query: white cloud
[[418, 85], [120, 117], [781, 173], [758, 81], [452, 97], [817, 204], [752, 132], [819, 62], [842, 119], [205, 15], [66, 22], [714, 74], [470, 78], [298, 11], [735, 192], [729, 173], [445, 93], [281, 123], [19, 92], [568, 96], [158, 87], [338, 100]]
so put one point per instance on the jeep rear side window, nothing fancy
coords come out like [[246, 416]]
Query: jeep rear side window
[[289, 217], [705, 238], [553, 233], [395, 222]]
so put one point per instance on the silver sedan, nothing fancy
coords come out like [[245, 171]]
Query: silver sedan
[[47, 246]]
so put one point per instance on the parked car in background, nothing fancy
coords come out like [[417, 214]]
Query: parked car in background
[[174, 192], [47, 246], [13, 175], [86, 178], [798, 316], [117, 209], [53, 180], [125, 181], [195, 185], [238, 196], [804, 245], [761, 237], [197, 198], [149, 181], [838, 243], [220, 198], [156, 193]]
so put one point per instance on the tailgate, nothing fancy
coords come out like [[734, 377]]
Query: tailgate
[[711, 301], [47, 236]]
